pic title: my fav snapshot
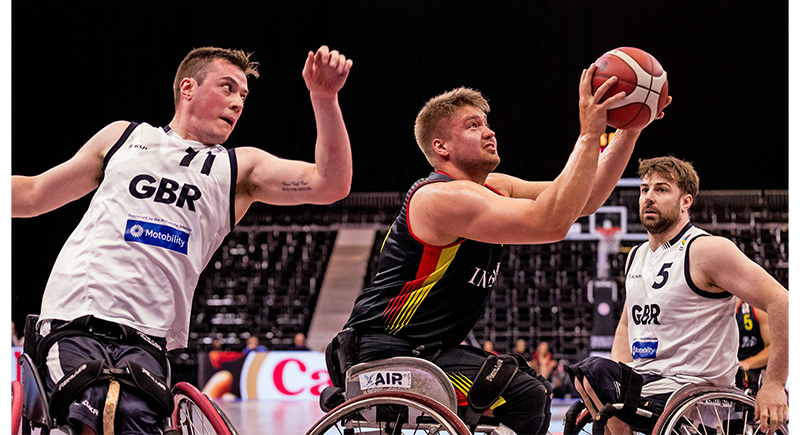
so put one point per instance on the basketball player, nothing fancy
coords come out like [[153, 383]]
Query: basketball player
[[442, 255], [678, 325], [753, 342], [166, 197]]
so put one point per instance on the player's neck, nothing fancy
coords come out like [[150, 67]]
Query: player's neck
[[460, 174], [656, 240]]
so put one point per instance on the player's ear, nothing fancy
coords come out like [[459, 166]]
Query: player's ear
[[440, 147], [187, 88], [687, 201]]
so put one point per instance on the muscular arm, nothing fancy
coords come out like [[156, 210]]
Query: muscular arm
[[718, 265], [266, 178], [35, 195], [610, 167], [443, 212]]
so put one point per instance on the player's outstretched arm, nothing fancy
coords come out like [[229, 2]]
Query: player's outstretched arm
[[610, 168], [719, 265], [443, 212], [32, 196], [266, 178]]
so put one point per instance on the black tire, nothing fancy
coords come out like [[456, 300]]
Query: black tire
[[441, 417], [195, 413]]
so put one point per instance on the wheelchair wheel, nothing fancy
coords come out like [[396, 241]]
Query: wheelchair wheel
[[702, 410], [195, 413], [390, 412], [16, 406]]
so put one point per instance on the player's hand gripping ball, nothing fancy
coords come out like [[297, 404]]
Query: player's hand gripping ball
[[643, 80]]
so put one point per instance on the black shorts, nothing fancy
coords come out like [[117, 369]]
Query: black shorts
[[604, 376], [134, 414]]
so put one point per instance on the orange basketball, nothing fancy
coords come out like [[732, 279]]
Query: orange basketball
[[641, 77]]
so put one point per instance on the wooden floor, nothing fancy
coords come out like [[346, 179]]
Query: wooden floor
[[295, 418]]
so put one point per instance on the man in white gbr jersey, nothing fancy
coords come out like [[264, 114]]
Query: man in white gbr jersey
[[166, 197], [678, 324]]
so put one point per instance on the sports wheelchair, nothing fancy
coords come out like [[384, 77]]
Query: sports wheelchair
[[701, 409], [412, 395], [192, 411], [404, 395]]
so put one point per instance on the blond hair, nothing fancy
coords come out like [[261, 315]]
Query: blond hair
[[441, 107], [195, 65], [673, 169]]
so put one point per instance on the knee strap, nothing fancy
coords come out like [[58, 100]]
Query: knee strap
[[493, 378], [631, 391]]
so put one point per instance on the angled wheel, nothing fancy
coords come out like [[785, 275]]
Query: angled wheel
[[702, 410], [196, 414], [16, 406], [390, 412]]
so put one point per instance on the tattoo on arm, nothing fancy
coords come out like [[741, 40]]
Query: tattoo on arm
[[295, 186]]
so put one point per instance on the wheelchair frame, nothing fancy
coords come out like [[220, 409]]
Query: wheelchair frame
[[691, 409], [193, 412]]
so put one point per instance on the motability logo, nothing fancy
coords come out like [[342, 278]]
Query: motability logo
[[157, 235]]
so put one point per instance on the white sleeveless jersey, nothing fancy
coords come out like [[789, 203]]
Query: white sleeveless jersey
[[163, 207], [675, 329]]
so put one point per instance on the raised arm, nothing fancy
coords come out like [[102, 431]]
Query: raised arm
[[717, 263], [443, 212], [35, 195], [266, 178], [610, 168]]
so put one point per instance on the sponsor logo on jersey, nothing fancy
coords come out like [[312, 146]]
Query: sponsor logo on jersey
[[384, 379], [644, 349], [157, 235], [483, 278]]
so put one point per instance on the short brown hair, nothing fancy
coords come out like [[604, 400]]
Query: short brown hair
[[673, 169], [441, 107], [195, 65]]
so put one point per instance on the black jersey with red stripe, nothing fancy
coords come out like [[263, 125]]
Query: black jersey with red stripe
[[424, 293]]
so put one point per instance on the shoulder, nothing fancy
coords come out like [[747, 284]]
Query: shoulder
[[710, 245], [249, 157], [114, 130], [501, 182], [444, 194], [251, 153], [100, 144]]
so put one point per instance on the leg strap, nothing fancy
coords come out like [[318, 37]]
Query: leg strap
[[493, 378], [631, 391], [110, 409], [90, 326], [97, 372]]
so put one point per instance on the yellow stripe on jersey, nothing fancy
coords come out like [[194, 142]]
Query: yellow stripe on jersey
[[417, 296]]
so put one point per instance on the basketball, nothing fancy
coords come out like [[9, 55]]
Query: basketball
[[641, 77]]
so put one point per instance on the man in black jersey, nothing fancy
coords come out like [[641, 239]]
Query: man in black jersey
[[442, 255], [753, 342]]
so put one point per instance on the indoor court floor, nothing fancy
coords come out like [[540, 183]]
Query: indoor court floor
[[274, 417]]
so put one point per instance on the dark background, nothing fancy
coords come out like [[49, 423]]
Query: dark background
[[77, 66]]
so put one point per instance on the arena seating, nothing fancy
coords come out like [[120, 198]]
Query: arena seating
[[264, 278]]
